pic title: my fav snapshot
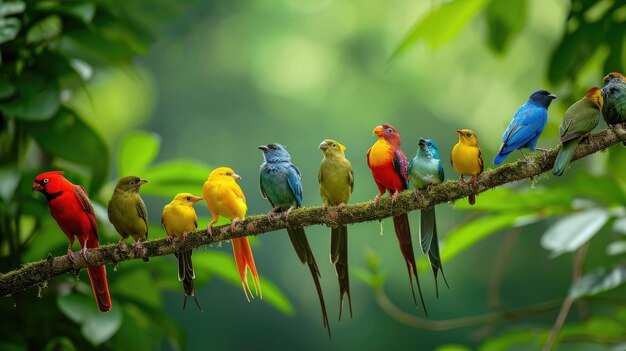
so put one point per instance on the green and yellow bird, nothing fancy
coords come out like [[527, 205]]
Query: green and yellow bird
[[127, 211], [578, 122], [336, 184]]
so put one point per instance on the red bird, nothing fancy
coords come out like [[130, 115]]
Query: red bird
[[71, 209], [389, 168]]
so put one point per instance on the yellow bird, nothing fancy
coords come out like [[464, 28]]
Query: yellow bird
[[466, 158], [225, 198], [179, 219]]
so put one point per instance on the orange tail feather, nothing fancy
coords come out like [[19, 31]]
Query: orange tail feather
[[245, 260], [99, 284]]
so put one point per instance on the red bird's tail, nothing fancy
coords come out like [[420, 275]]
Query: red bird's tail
[[98, 279], [403, 232], [245, 261]]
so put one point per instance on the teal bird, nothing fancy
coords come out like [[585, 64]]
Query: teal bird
[[614, 95], [579, 120], [424, 171]]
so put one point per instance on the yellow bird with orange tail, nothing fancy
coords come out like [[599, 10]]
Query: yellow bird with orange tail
[[225, 198]]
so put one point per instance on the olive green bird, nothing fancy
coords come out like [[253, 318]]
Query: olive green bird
[[336, 184], [578, 122], [128, 213]]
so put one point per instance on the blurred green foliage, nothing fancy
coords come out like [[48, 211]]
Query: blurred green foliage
[[211, 80]]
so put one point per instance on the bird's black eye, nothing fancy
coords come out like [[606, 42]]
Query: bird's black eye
[[132, 182], [469, 135], [46, 180], [228, 173], [334, 145], [389, 130], [188, 198]]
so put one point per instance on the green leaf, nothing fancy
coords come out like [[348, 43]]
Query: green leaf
[[598, 281], [96, 327], [68, 137], [44, 30], [136, 151], [453, 347], [223, 265], [616, 248], [572, 231], [526, 339], [523, 200], [573, 51], [60, 344], [7, 89], [37, 98], [81, 11], [473, 232], [173, 177], [9, 28], [11, 8], [440, 25], [505, 19]]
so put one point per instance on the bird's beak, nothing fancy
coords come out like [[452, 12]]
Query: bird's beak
[[552, 96], [421, 142], [196, 199], [262, 147], [236, 176], [379, 131], [37, 187], [142, 182], [459, 132], [323, 146], [606, 79]]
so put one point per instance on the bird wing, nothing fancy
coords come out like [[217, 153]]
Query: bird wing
[[293, 178], [480, 160], [367, 157], [351, 179], [143, 213], [263, 192], [579, 119], [527, 123], [85, 204], [400, 166], [442, 177]]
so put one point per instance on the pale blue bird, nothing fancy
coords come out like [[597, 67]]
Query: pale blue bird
[[282, 187], [424, 171], [526, 126]]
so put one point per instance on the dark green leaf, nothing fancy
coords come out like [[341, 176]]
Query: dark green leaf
[[44, 30], [96, 327], [453, 347], [440, 25], [37, 98], [9, 27], [68, 137], [573, 51], [598, 281], [570, 232], [81, 11], [616, 248], [505, 19], [136, 151], [60, 344], [7, 89]]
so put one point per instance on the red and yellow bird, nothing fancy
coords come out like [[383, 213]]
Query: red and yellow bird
[[71, 209], [389, 168]]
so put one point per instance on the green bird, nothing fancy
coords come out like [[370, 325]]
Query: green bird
[[614, 96], [336, 184], [424, 171], [127, 212], [578, 122]]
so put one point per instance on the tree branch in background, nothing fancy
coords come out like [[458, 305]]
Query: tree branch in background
[[33, 274]]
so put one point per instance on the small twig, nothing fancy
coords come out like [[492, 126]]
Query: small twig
[[579, 263]]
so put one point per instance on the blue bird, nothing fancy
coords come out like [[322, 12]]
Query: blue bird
[[282, 187], [526, 126], [424, 171]]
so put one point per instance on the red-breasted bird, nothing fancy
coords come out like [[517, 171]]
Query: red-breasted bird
[[389, 167], [71, 209]]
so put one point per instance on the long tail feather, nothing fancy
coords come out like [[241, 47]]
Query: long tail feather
[[565, 156], [430, 244], [500, 157], [245, 260], [186, 275], [339, 256], [403, 232], [303, 250], [98, 280]]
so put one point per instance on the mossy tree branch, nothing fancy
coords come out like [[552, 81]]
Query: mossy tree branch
[[36, 273]]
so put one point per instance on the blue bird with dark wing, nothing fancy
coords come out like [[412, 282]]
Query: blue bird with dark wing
[[526, 126], [282, 187]]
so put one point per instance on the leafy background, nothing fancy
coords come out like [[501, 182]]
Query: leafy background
[[169, 89]]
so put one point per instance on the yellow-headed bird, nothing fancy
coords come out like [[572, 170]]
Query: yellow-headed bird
[[467, 159], [179, 219], [225, 198], [336, 184]]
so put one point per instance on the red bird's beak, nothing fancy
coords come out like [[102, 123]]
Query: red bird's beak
[[379, 131], [142, 182], [37, 187], [236, 176], [196, 199]]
